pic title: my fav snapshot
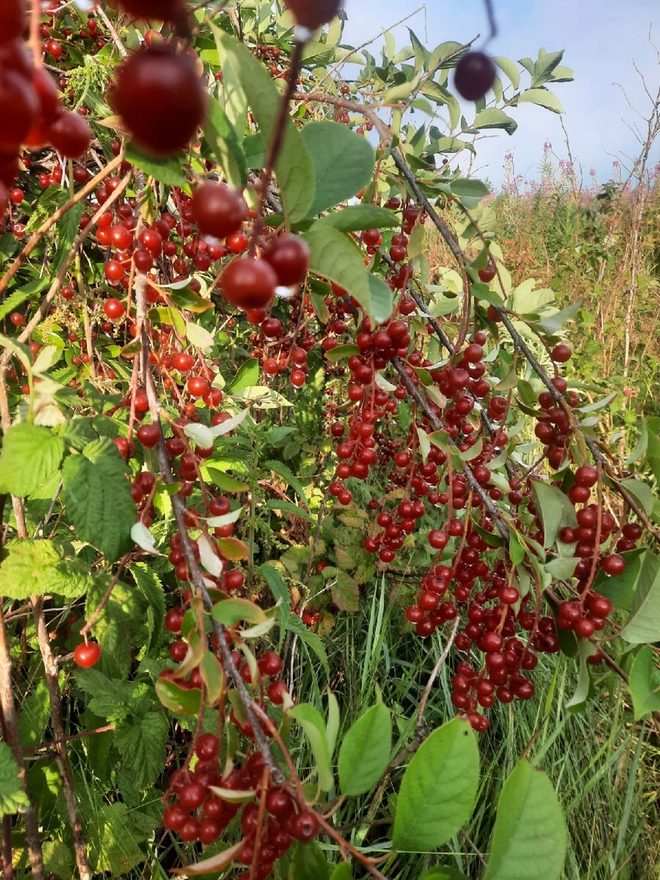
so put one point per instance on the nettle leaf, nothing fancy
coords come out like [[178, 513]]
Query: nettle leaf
[[343, 163], [438, 790], [529, 839], [13, 798], [288, 476], [311, 721], [335, 257], [35, 567], [643, 624], [344, 589], [97, 496], [141, 744], [294, 168], [365, 751], [115, 838], [151, 587], [555, 510], [645, 683], [30, 458]]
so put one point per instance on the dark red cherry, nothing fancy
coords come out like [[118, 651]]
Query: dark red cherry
[[19, 107], [161, 99], [12, 19], [289, 257], [217, 209], [248, 283], [475, 74], [70, 134]]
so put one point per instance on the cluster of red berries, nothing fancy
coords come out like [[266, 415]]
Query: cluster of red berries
[[30, 107], [200, 807]]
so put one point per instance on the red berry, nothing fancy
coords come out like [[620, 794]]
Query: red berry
[[218, 210], [487, 274], [475, 74], [114, 271], [148, 435], [561, 353], [19, 107], [289, 257], [304, 826], [114, 309], [161, 99], [207, 746], [248, 283], [87, 654], [70, 134], [270, 664], [586, 476], [613, 565]]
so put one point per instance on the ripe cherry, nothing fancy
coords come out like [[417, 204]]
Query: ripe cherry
[[114, 271], [114, 309], [289, 257], [207, 747], [19, 107], [70, 134], [304, 826], [561, 353], [586, 476], [161, 99], [270, 664], [87, 654], [218, 210], [314, 14], [249, 283], [475, 74], [489, 272], [613, 565], [148, 435]]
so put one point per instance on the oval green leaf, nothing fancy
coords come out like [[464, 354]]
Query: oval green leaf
[[365, 751], [529, 839], [438, 789]]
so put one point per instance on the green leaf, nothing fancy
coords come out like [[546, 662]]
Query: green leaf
[[294, 168], [246, 377], [341, 352], [365, 751], [516, 549], [151, 587], [529, 839], [187, 299], [226, 482], [141, 744], [645, 683], [18, 297], [438, 789], [543, 98], [12, 797], [343, 588], [115, 838], [97, 496], [177, 699], [224, 143], [312, 723], [470, 191], [288, 476], [335, 257], [554, 508], [343, 163], [494, 118], [35, 567], [167, 171], [30, 458], [443, 874], [639, 490], [357, 217], [643, 624], [308, 863], [343, 871], [583, 687], [509, 67]]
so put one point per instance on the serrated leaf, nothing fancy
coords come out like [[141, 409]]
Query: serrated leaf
[[97, 496], [645, 683], [35, 567], [13, 798], [288, 476], [142, 746], [438, 789], [151, 587], [365, 751], [529, 838], [343, 163], [30, 457]]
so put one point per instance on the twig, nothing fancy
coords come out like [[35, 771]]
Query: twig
[[434, 674]]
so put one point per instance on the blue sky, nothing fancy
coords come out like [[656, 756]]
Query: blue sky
[[601, 39]]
